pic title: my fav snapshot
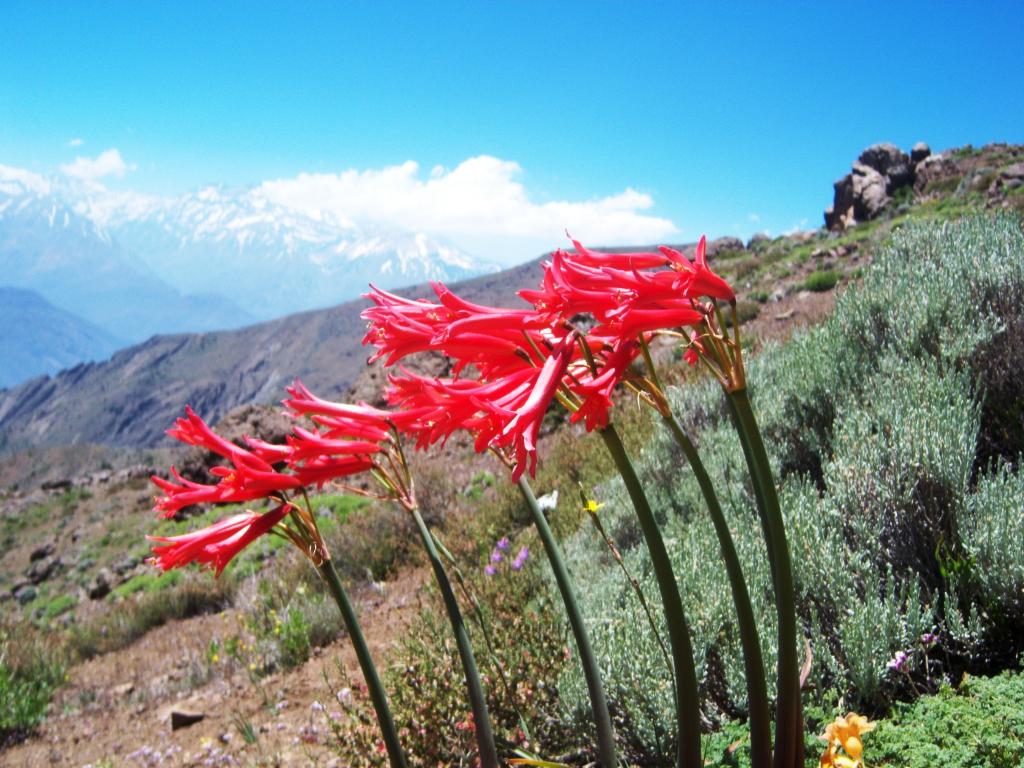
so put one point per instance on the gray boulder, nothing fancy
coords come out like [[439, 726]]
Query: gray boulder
[[757, 239], [859, 196], [919, 153], [891, 162]]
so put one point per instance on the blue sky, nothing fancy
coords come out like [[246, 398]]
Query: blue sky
[[725, 118]]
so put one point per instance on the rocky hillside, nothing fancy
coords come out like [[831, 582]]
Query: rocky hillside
[[885, 180]]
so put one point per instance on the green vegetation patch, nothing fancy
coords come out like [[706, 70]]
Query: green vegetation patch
[[978, 725], [822, 280]]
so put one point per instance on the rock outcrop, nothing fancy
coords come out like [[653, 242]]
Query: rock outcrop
[[877, 175]]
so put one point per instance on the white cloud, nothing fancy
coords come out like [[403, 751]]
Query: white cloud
[[479, 204], [753, 218], [108, 163], [76, 142]]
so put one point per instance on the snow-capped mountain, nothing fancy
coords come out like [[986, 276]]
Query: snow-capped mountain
[[270, 259], [76, 265]]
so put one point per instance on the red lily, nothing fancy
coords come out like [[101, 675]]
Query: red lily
[[216, 545], [522, 431], [704, 282]]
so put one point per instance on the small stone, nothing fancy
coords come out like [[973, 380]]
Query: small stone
[[919, 152], [41, 570], [25, 594], [181, 718], [44, 550], [99, 587]]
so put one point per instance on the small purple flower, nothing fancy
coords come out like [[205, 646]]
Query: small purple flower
[[490, 570], [520, 560], [898, 662], [929, 639], [496, 556], [503, 544]]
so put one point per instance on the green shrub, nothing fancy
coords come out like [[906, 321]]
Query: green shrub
[[51, 609], [31, 669], [993, 548], [131, 618], [873, 423], [427, 684], [979, 725], [822, 280], [745, 312]]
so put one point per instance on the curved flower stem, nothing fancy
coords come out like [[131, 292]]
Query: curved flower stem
[[757, 692], [789, 743], [687, 699], [477, 700], [591, 671], [377, 695]]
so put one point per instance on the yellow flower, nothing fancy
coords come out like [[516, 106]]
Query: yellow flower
[[592, 506], [844, 734]]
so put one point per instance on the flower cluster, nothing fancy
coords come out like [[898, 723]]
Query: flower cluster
[[499, 554], [510, 364], [344, 440]]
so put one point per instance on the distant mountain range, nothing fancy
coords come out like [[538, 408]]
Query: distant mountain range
[[136, 266], [133, 397], [38, 338], [270, 259], [75, 264]]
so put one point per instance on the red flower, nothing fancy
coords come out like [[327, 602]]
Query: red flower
[[360, 421], [703, 282], [311, 457], [694, 350], [596, 391], [627, 261], [237, 484], [523, 429], [490, 338], [216, 545]]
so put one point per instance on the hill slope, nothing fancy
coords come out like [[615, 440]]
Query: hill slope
[[39, 338], [132, 398]]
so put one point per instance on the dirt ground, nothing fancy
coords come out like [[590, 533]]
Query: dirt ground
[[115, 709]]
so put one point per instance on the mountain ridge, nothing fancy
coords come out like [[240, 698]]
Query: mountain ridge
[[40, 338]]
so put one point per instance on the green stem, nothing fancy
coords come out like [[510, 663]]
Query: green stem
[[591, 671], [380, 701], [757, 691], [688, 752], [481, 621], [477, 700], [789, 745]]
